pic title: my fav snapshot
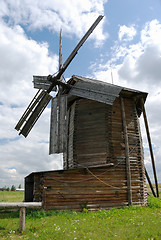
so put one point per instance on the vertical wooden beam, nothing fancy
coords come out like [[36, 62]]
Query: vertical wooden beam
[[53, 142], [150, 184], [128, 173], [67, 142], [22, 219], [150, 146]]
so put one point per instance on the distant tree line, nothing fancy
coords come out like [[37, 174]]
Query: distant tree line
[[13, 188]]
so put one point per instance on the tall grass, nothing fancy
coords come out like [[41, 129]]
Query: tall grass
[[126, 223]]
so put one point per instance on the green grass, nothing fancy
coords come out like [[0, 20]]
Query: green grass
[[126, 223], [10, 196]]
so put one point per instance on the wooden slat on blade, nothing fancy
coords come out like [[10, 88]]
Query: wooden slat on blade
[[62, 123], [29, 109], [58, 125], [53, 145], [35, 115]]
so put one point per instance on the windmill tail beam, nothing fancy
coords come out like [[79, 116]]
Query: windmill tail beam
[[150, 147], [150, 184]]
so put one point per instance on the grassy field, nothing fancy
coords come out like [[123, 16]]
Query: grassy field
[[126, 223], [9, 196]]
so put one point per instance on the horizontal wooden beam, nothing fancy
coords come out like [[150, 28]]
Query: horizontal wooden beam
[[21, 205]]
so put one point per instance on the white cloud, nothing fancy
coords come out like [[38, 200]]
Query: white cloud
[[74, 17], [21, 157], [126, 33], [20, 59], [142, 60], [151, 33], [12, 171]]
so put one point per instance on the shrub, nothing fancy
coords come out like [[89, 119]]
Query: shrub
[[154, 202], [13, 188]]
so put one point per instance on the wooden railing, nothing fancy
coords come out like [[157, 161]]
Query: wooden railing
[[22, 206]]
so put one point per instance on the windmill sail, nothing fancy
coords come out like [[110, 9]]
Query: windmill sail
[[30, 108], [58, 125], [34, 113]]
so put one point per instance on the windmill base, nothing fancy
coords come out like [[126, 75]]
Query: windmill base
[[91, 188]]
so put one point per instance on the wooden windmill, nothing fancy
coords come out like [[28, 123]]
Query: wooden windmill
[[96, 127]]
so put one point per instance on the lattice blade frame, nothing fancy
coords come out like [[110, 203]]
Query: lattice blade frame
[[33, 112]]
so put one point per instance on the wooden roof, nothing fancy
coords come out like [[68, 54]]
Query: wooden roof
[[94, 89], [102, 91]]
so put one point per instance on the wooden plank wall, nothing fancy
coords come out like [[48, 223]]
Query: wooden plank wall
[[38, 187], [135, 145], [92, 188], [96, 138], [68, 154], [135, 148], [90, 133]]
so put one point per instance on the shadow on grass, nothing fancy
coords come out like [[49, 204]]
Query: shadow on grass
[[2, 228], [9, 213], [30, 213]]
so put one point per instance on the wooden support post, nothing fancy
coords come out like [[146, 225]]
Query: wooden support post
[[22, 206], [128, 173], [150, 184], [22, 219], [150, 146]]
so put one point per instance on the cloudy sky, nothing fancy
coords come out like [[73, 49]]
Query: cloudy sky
[[127, 43]]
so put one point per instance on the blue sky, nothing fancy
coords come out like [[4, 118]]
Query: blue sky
[[126, 42]]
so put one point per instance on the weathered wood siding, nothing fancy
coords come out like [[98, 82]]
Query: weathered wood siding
[[69, 155], [91, 188], [117, 146], [91, 133], [87, 134], [38, 188], [96, 138]]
